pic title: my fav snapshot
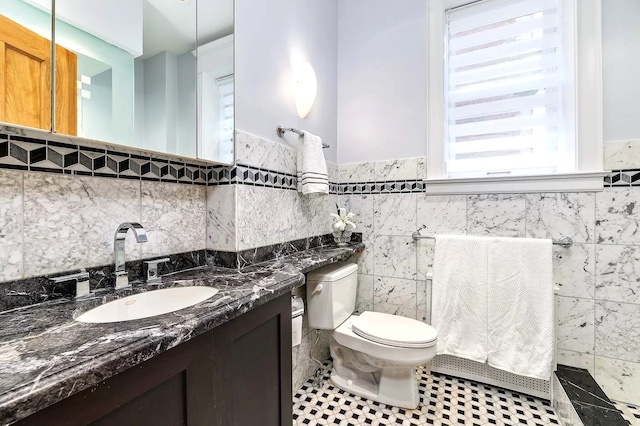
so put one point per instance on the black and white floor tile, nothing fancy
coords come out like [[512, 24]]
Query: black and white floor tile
[[444, 400], [630, 413]]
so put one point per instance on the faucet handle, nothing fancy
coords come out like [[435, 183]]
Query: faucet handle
[[152, 269], [82, 281]]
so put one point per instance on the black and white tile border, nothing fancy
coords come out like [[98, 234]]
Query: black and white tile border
[[32, 154], [444, 400], [39, 155]]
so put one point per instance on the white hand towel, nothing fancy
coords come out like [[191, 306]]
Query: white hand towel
[[521, 306], [459, 294], [312, 168]]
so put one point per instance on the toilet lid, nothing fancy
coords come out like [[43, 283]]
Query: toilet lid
[[394, 330]]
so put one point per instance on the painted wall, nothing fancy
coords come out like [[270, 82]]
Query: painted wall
[[272, 36], [382, 80]]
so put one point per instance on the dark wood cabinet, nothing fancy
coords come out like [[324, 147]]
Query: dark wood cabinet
[[238, 374]]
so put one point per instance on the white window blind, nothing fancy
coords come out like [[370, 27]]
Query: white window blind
[[503, 90], [226, 119]]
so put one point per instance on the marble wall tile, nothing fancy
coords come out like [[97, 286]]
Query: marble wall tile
[[618, 330], [576, 359], [252, 150], [422, 167], [403, 169], [362, 206], [620, 380], [264, 216], [561, 215], [11, 216], [365, 258], [395, 296], [575, 324], [442, 214], [356, 172], [175, 217], [425, 250], [332, 171], [394, 257], [114, 203], [622, 155], [221, 218], [394, 214], [72, 221], [618, 273], [364, 298], [312, 215], [423, 301], [498, 215], [574, 270], [618, 216]]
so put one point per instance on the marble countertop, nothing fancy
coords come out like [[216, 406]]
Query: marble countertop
[[46, 356]]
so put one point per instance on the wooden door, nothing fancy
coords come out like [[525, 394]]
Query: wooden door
[[25, 80], [25, 71]]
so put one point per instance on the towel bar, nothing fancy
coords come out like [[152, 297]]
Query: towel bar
[[565, 242], [282, 130]]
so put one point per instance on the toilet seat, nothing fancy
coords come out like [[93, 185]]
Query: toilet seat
[[394, 330]]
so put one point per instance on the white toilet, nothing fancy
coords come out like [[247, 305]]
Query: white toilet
[[375, 355]]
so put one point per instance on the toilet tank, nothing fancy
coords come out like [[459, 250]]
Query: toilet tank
[[331, 294]]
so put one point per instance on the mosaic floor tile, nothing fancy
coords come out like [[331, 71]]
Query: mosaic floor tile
[[444, 400]]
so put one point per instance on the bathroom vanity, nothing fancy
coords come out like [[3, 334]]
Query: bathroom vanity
[[236, 374], [224, 361]]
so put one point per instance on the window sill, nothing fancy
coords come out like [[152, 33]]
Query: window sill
[[572, 182]]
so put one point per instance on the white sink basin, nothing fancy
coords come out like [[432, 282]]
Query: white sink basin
[[148, 304]]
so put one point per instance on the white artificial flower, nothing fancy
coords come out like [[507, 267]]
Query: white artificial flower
[[343, 220]]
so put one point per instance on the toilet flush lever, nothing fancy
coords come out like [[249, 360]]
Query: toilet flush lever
[[318, 289]]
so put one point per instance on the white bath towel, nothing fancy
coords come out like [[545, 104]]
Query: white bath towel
[[459, 307], [312, 168], [521, 306]]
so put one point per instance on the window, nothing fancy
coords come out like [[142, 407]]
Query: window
[[504, 89]]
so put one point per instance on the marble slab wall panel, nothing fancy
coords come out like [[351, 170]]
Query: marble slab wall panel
[[561, 215], [72, 221], [618, 216], [498, 215], [396, 296], [221, 218], [268, 216], [356, 172], [255, 151], [11, 225], [621, 154], [619, 379], [403, 169], [174, 216], [618, 330]]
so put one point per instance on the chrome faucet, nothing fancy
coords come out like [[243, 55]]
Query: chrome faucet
[[122, 279]]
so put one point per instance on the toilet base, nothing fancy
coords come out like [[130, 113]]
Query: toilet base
[[397, 387]]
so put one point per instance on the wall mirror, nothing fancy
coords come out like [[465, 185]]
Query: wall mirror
[[151, 74]]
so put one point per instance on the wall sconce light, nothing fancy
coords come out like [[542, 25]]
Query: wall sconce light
[[306, 88]]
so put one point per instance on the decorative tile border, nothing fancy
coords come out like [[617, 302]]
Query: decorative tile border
[[622, 178], [39, 155], [19, 152], [241, 174]]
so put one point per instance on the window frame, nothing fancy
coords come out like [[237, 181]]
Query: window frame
[[588, 110]]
